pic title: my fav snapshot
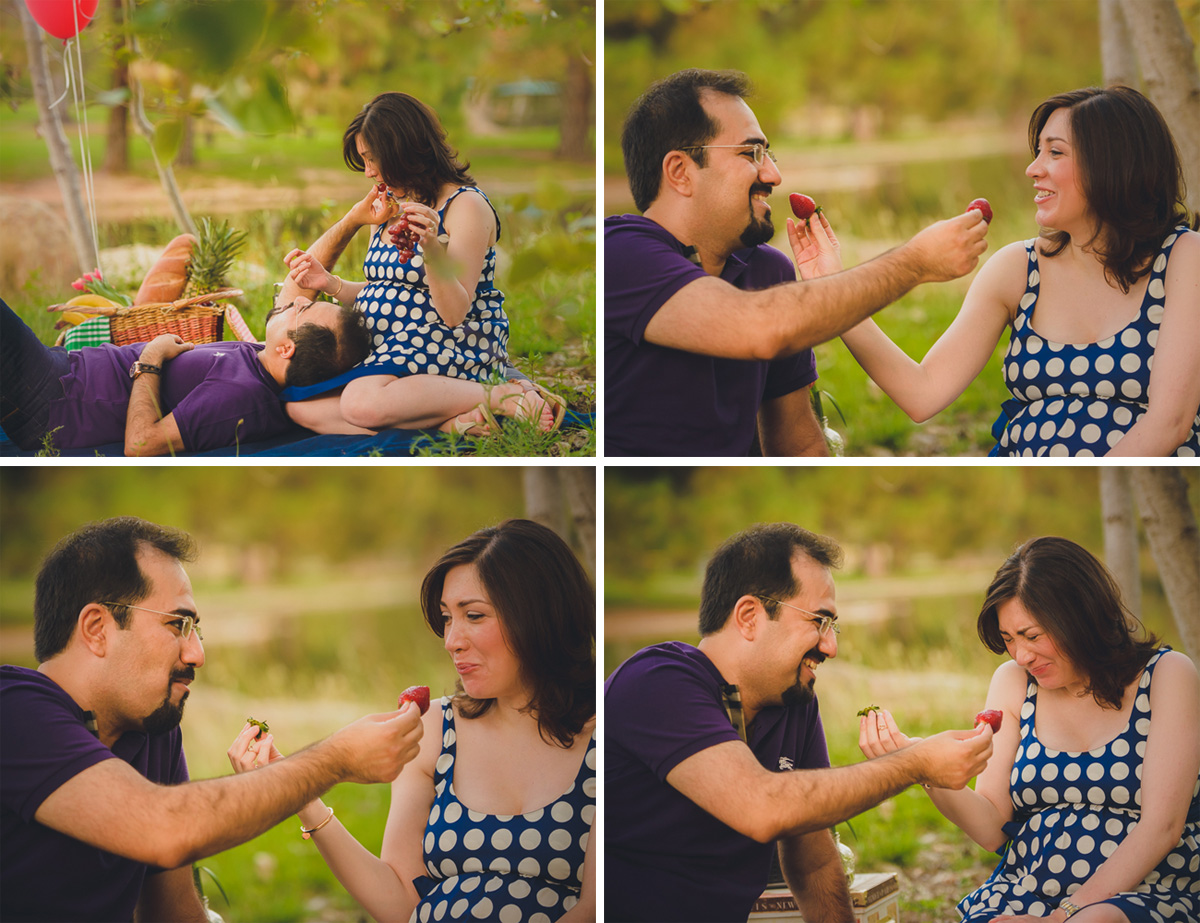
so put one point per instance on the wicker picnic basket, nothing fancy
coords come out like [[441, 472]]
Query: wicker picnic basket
[[200, 319]]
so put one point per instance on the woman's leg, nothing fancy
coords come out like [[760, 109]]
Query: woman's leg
[[428, 401]]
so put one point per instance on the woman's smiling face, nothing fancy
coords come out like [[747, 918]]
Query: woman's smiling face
[[1061, 203]]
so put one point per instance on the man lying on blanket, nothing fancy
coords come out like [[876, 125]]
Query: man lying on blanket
[[167, 395]]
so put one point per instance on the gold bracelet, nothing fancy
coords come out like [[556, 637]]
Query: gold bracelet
[[1070, 908], [339, 288], [307, 832]]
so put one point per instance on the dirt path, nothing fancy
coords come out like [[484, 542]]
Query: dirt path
[[125, 198]]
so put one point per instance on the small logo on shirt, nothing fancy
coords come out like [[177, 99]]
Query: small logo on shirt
[[786, 764]]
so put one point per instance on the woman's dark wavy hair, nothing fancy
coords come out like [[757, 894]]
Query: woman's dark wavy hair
[[409, 145], [1078, 604], [547, 610], [1130, 173]]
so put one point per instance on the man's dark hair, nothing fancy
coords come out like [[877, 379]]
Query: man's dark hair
[[758, 562], [323, 353], [409, 145], [547, 610], [670, 117], [1077, 602], [97, 563], [1130, 173]]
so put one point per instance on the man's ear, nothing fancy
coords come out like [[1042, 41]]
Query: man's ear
[[94, 624], [677, 172], [747, 612], [286, 349]]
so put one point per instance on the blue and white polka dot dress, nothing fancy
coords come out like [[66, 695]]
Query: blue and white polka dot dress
[[1080, 399], [409, 335], [525, 868], [1071, 812]]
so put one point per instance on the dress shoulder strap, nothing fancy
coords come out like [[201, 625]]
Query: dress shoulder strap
[[454, 195]]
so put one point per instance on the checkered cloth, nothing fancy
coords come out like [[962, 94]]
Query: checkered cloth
[[92, 332]]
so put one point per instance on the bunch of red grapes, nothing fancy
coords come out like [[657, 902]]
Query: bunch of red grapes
[[404, 238]]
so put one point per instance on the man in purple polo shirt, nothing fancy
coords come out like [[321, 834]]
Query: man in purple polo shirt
[[98, 820], [715, 755], [704, 343], [168, 395]]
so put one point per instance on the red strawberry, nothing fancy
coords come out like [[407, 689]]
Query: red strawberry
[[991, 716], [984, 206], [418, 694], [802, 205]]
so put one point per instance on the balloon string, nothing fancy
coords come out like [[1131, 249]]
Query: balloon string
[[81, 123]]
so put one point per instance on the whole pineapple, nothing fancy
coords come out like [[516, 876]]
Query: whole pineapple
[[212, 257]]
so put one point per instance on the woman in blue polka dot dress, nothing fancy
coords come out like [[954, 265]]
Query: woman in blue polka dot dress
[[1104, 307], [437, 320], [493, 819], [1094, 807]]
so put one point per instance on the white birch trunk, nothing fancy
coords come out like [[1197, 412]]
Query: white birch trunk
[[1120, 535], [1172, 77], [65, 170], [1170, 525]]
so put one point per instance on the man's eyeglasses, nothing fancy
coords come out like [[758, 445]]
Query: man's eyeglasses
[[758, 149], [823, 622], [187, 623]]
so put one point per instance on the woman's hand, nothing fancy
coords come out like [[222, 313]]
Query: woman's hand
[[307, 272], [879, 735], [375, 207], [249, 751], [423, 222], [815, 246]]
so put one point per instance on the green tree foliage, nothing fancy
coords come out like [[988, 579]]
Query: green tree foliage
[[660, 520], [302, 513], [930, 59]]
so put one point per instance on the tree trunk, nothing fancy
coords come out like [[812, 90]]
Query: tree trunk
[[576, 120], [1117, 57], [166, 175], [116, 147], [1172, 77], [50, 125], [1170, 526], [1120, 535], [580, 485], [544, 501]]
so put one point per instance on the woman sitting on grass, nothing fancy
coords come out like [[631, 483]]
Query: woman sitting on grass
[[494, 818], [1095, 809], [438, 323], [1104, 307]]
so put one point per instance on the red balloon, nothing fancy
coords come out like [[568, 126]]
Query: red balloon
[[62, 18]]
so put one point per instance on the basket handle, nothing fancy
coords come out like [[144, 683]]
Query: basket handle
[[166, 307]]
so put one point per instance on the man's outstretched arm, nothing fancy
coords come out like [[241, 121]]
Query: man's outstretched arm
[[713, 318], [727, 781], [113, 807]]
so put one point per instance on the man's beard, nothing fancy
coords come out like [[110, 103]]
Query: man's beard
[[168, 715], [759, 230], [802, 693]]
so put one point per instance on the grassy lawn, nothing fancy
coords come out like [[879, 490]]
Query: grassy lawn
[[546, 262]]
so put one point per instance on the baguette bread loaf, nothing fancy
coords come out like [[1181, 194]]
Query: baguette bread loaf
[[168, 276]]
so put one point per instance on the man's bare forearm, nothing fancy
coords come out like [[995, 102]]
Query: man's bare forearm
[[814, 873], [802, 315], [142, 418], [218, 814]]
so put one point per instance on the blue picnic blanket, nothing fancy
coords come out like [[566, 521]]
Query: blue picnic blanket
[[298, 442]]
